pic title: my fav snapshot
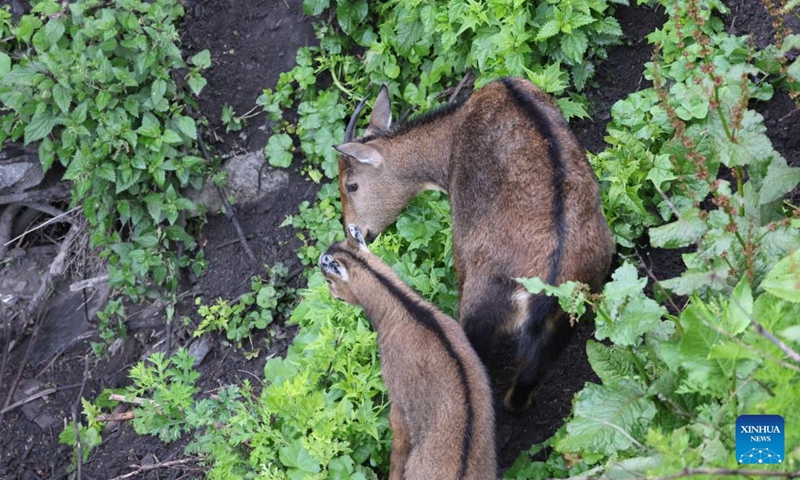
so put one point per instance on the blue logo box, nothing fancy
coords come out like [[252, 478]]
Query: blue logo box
[[760, 439]]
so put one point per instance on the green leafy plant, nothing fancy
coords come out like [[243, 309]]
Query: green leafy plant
[[253, 310], [94, 84]]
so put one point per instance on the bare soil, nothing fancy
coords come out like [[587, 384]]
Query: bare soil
[[251, 42]]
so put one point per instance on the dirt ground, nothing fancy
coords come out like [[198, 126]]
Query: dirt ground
[[251, 42]]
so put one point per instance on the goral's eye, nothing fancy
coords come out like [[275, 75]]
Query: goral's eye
[[352, 187]]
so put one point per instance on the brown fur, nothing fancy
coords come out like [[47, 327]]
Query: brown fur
[[438, 389], [496, 161]]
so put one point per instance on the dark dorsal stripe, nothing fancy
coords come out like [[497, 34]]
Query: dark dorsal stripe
[[425, 317], [539, 117], [418, 120]]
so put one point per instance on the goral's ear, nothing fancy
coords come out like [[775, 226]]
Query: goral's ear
[[361, 152], [356, 236], [330, 266], [381, 118]]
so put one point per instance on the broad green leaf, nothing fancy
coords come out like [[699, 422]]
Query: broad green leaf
[[549, 29], [54, 30], [63, 97], [740, 308], [315, 7], [187, 126], [5, 64], [681, 233], [574, 45], [350, 14], [40, 126], [157, 90], [278, 151], [607, 420], [610, 363], [784, 279], [201, 59], [780, 180], [196, 83]]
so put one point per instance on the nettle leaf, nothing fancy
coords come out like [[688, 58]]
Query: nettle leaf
[[278, 151], [549, 29], [783, 280], [40, 126], [201, 59], [157, 90], [196, 83], [187, 126], [574, 46], [607, 420], [63, 97], [54, 30], [681, 233]]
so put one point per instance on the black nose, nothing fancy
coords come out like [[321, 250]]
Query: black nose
[[369, 237]]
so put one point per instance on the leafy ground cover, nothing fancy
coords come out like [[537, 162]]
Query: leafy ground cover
[[697, 113]]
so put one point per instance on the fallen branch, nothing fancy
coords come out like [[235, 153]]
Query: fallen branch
[[467, 77], [116, 417], [88, 283], [147, 468], [689, 472], [133, 400], [22, 402], [58, 218], [52, 211]]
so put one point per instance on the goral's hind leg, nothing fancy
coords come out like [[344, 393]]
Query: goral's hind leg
[[540, 343], [401, 442]]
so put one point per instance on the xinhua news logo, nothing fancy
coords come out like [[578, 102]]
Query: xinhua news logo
[[760, 439]]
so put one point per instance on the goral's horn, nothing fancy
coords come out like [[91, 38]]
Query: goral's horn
[[348, 133]]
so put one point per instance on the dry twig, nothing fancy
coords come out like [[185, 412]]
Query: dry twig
[[75, 407], [147, 468]]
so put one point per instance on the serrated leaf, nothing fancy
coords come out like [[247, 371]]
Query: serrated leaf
[[277, 150], [197, 83], [187, 126], [147, 240], [54, 30], [549, 29], [157, 90], [171, 136], [607, 420], [63, 97], [783, 280], [106, 170], [40, 126], [201, 59], [574, 46]]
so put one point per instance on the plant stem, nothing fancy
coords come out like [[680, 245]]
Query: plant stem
[[721, 116], [638, 364]]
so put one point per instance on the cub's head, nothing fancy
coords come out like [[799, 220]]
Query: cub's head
[[372, 195], [339, 262]]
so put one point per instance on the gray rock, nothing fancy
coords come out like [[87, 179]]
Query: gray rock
[[242, 184], [19, 176]]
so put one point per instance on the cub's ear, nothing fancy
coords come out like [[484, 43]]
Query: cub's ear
[[330, 266], [355, 236], [381, 118], [361, 152]]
